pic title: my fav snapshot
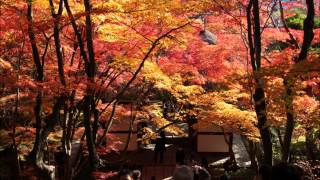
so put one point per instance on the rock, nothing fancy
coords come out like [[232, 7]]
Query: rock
[[208, 37], [240, 152]]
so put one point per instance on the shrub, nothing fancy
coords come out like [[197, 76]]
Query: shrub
[[296, 21]]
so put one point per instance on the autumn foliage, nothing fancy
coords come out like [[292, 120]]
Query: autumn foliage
[[74, 71]]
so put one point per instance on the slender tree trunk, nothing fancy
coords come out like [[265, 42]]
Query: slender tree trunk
[[259, 95], [230, 149], [263, 128], [107, 125], [66, 143], [294, 41], [286, 142], [308, 34], [93, 156], [95, 125], [39, 78], [77, 33], [35, 52], [89, 97], [289, 81], [92, 62], [69, 113], [56, 35], [37, 113], [228, 138], [51, 120], [132, 118], [310, 147], [86, 107], [251, 150]]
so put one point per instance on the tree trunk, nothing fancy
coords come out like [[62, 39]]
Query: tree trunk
[[78, 35], [39, 78], [251, 150], [67, 139], [132, 119], [35, 51], [230, 149], [290, 120], [259, 95], [310, 147], [95, 125], [260, 107], [289, 81], [92, 62], [89, 97], [293, 40], [51, 120], [56, 32], [308, 34], [228, 138], [37, 113], [93, 156]]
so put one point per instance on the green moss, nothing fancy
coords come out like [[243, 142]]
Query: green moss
[[316, 22], [296, 21]]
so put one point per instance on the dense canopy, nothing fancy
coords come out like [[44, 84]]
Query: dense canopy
[[78, 71]]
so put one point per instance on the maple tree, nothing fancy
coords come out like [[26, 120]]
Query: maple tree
[[69, 69]]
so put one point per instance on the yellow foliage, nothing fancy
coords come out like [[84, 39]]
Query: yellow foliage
[[152, 73], [5, 66], [147, 136], [41, 3], [275, 94], [124, 63], [213, 109], [155, 111], [307, 110]]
